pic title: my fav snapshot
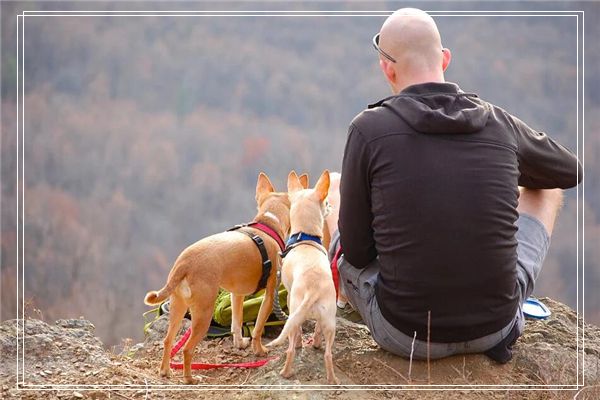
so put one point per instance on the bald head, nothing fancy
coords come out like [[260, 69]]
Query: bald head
[[411, 37]]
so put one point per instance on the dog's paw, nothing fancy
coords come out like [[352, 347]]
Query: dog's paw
[[165, 373], [259, 349], [189, 380], [241, 343], [333, 380], [287, 373]]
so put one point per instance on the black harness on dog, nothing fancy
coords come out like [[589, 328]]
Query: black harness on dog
[[260, 244]]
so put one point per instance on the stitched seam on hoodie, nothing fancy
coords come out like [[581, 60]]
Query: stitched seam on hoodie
[[440, 138]]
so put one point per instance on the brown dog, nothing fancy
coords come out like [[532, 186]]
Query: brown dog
[[306, 274], [230, 260]]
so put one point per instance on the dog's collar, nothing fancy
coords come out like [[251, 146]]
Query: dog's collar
[[269, 231], [263, 228], [300, 237]]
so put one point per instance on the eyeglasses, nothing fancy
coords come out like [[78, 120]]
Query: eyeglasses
[[383, 53]]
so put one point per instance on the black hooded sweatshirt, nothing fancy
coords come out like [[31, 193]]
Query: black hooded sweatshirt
[[430, 186]]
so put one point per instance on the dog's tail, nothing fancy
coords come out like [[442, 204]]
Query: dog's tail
[[294, 320], [156, 297]]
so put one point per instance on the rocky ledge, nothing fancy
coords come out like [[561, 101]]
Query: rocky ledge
[[68, 353]]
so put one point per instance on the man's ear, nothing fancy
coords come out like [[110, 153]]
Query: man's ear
[[293, 183], [447, 56], [389, 72], [304, 180], [263, 186], [322, 186]]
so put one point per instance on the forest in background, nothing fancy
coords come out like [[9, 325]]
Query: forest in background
[[145, 134]]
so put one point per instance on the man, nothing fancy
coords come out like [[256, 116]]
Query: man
[[438, 240]]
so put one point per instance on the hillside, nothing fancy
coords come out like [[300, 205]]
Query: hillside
[[67, 352]]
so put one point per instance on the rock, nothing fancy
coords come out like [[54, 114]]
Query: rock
[[534, 337], [41, 343], [157, 330], [97, 395], [132, 351]]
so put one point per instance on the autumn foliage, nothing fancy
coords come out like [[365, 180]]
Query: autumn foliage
[[144, 134]]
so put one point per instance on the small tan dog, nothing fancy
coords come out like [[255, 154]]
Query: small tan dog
[[306, 274], [330, 221], [230, 260], [326, 235]]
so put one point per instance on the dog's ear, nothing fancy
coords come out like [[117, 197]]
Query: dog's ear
[[293, 183], [263, 186], [322, 186], [304, 180]]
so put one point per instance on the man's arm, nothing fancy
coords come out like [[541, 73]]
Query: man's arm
[[544, 163], [356, 234]]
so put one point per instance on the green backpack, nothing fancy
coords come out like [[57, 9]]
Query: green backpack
[[221, 322]]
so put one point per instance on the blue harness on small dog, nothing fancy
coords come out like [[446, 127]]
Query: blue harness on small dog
[[297, 239]]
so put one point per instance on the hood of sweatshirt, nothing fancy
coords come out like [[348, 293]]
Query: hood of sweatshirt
[[440, 108]]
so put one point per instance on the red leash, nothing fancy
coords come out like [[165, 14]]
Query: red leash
[[184, 339], [334, 271]]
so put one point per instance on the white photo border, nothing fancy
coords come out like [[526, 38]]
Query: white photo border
[[580, 113]]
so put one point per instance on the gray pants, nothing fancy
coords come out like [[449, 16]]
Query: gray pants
[[359, 286]]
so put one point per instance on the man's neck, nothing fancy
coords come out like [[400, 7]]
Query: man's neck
[[415, 80]]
